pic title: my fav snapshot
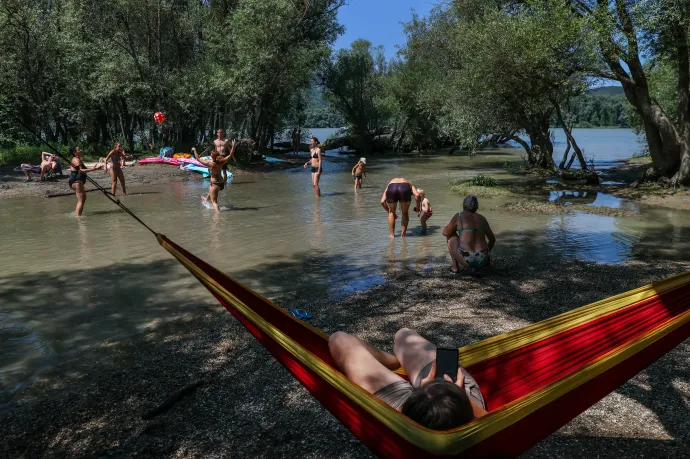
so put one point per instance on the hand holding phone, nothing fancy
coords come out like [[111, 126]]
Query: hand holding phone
[[447, 363]]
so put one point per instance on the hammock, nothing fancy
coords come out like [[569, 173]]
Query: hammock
[[534, 380]]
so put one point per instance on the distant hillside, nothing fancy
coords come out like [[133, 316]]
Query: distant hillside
[[606, 91]]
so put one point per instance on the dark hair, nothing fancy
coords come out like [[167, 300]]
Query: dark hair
[[72, 150], [315, 140], [439, 405]]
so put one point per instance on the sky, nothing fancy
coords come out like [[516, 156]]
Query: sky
[[379, 21]]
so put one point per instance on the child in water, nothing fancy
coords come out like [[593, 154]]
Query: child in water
[[424, 211], [358, 171]]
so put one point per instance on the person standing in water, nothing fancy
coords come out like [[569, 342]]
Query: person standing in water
[[215, 168], [77, 178], [358, 171], [118, 159], [316, 165], [296, 140], [222, 146], [424, 210], [399, 190]]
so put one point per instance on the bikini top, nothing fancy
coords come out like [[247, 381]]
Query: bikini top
[[483, 228], [314, 156]]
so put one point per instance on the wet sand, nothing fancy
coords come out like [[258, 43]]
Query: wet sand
[[91, 405]]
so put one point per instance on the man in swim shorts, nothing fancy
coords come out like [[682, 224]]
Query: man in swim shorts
[[433, 402], [399, 190], [222, 146]]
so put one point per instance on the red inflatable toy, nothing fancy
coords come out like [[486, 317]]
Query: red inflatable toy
[[159, 117]]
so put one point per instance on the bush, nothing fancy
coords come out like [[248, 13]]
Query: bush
[[483, 180], [21, 154]]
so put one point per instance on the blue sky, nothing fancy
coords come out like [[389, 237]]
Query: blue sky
[[379, 21]]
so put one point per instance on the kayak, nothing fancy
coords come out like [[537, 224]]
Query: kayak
[[170, 161]]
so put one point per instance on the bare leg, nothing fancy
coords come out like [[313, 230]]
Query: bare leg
[[225, 175], [78, 188], [455, 257], [213, 193], [113, 180], [414, 352], [362, 363], [391, 217], [121, 177], [28, 175], [405, 208], [44, 168], [423, 220]]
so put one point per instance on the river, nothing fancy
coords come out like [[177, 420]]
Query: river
[[70, 284]]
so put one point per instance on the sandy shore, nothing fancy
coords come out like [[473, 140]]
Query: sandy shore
[[91, 404], [136, 175]]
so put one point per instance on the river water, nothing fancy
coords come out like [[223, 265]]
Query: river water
[[70, 284]]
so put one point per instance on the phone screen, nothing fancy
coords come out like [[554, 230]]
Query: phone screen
[[447, 363]]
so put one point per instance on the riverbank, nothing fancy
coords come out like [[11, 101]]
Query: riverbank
[[12, 184], [91, 404]]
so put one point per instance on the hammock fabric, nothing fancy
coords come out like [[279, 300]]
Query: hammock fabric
[[534, 380]]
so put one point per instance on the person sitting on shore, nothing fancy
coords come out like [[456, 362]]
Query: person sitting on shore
[[427, 399], [467, 234], [398, 190], [49, 164], [424, 210], [358, 171]]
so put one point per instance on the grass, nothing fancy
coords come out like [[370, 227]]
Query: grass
[[480, 185], [550, 208]]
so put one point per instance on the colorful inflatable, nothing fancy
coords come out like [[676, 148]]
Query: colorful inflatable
[[170, 161]]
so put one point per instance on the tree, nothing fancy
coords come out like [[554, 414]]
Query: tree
[[627, 31], [353, 82]]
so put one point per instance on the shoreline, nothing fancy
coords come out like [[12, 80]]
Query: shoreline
[[136, 175], [91, 403]]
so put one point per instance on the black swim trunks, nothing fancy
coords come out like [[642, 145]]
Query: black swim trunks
[[314, 170], [220, 185], [358, 177], [399, 192]]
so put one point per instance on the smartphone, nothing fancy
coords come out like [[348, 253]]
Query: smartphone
[[447, 362]]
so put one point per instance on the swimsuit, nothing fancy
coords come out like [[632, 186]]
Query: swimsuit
[[218, 181], [358, 177], [398, 192], [75, 176], [475, 260], [397, 393]]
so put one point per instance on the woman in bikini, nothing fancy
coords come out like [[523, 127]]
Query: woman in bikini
[[467, 235], [215, 168], [77, 177], [399, 190], [316, 165], [117, 159]]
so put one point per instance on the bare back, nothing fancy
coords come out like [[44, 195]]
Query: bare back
[[472, 229]]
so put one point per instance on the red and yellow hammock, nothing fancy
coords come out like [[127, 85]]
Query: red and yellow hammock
[[535, 379]]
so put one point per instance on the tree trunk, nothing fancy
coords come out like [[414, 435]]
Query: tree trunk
[[565, 155], [571, 139]]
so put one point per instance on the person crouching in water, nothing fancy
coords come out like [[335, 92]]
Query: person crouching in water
[[215, 168], [424, 210], [358, 171]]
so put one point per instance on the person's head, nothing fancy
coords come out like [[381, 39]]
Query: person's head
[[439, 405], [75, 151], [470, 204], [421, 192], [314, 142], [214, 155], [118, 146], [363, 160], [220, 133]]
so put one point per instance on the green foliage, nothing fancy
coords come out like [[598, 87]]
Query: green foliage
[[323, 118], [98, 70], [483, 180], [353, 81], [590, 111]]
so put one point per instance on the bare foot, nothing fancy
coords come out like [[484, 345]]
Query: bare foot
[[454, 269]]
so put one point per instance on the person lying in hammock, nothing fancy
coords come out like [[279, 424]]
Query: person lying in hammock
[[437, 404]]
